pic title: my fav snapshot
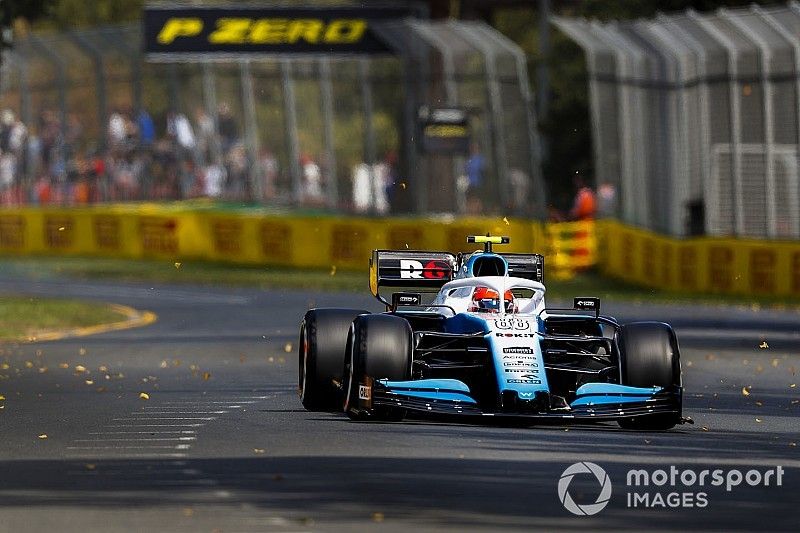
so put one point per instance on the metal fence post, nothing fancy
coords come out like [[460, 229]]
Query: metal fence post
[[100, 80], [135, 57], [24, 86], [792, 38], [173, 92], [634, 208], [769, 131], [210, 103], [497, 120], [735, 115], [328, 117], [292, 136], [250, 126], [529, 101], [450, 88], [580, 35], [369, 127], [61, 82], [703, 101]]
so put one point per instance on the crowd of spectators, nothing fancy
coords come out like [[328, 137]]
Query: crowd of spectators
[[54, 161]]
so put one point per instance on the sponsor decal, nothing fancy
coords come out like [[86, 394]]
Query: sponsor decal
[[276, 241], [59, 231], [107, 232], [364, 392], [159, 235], [12, 231], [523, 357], [525, 381], [512, 323], [227, 235], [525, 394], [348, 242], [265, 29], [522, 363], [519, 349], [444, 130], [413, 269], [516, 335]]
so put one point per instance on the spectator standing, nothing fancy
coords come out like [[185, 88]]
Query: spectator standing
[[362, 188], [146, 127], [383, 180], [475, 168], [206, 135], [606, 200], [228, 130], [238, 169], [116, 130], [267, 169], [584, 206], [312, 181]]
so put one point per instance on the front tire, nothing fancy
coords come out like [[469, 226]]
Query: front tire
[[649, 356], [321, 354], [378, 347]]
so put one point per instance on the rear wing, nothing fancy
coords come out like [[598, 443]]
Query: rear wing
[[526, 266], [409, 268]]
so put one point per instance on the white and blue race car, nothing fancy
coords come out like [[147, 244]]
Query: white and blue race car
[[486, 346]]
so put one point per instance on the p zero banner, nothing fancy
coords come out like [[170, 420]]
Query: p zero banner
[[174, 31]]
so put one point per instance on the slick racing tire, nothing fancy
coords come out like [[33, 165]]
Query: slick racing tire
[[649, 356], [378, 347], [323, 338]]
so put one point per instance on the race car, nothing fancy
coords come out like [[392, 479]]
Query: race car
[[485, 346]]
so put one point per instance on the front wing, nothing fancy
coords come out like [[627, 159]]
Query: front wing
[[593, 402]]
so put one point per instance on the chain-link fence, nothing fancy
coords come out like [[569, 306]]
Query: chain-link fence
[[695, 119], [90, 120]]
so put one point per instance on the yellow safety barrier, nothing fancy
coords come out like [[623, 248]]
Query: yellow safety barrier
[[706, 264], [572, 247], [191, 232]]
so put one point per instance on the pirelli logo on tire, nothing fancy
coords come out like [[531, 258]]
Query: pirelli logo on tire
[[209, 30]]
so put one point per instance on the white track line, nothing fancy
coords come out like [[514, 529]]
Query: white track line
[[149, 447], [183, 431], [156, 425], [149, 413], [157, 439], [139, 419]]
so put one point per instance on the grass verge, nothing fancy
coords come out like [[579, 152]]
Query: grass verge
[[263, 277], [23, 318]]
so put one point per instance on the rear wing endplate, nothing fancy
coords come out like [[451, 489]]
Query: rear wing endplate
[[526, 266]]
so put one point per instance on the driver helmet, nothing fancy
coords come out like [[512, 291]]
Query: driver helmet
[[486, 300]]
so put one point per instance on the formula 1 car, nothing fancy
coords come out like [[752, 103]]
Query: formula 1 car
[[485, 346]]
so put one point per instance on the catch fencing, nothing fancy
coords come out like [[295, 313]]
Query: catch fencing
[[295, 131], [696, 119]]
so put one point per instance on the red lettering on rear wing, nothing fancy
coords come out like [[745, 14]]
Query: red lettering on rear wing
[[409, 268]]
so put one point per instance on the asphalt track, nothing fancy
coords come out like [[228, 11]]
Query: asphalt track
[[222, 443]]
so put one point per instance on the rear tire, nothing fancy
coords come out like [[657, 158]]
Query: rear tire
[[378, 347], [649, 356], [321, 354]]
